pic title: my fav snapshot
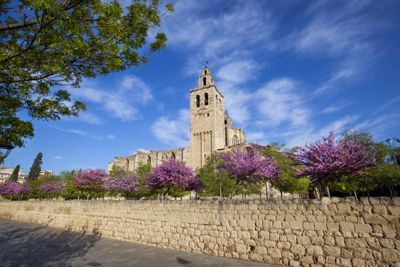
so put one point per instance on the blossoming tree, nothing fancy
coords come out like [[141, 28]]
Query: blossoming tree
[[328, 160], [11, 189], [249, 166], [172, 173]]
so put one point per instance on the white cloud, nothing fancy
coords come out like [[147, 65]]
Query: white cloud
[[86, 134], [279, 101], [57, 157], [217, 37], [89, 117], [309, 133], [256, 137], [121, 102], [341, 31], [174, 132], [334, 108]]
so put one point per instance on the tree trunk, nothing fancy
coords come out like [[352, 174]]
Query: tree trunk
[[355, 195], [329, 192]]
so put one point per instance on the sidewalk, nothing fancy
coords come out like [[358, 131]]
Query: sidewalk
[[23, 244]]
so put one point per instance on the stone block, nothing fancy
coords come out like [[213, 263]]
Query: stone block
[[362, 228], [331, 251], [394, 210], [374, 219], [298, 249]]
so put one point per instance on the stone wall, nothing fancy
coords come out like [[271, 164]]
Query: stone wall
[[335, 232]]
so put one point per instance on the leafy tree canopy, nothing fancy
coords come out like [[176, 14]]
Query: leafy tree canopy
[[46, 45]]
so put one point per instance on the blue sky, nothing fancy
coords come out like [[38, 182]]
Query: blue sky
[[290, 71]]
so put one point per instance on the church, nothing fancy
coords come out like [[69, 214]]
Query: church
[[211, 130]]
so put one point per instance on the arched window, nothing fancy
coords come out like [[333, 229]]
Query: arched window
[[173, 155], [149, 160], [127, 165], [235, 140], [205, 72], [197, 101], [204, 81], [205, 99]]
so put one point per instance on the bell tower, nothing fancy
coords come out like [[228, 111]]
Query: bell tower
[[206, 119]]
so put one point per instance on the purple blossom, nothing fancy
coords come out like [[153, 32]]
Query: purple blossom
[[173, 173], [249, 166], [90, 179], [13, 188], [51, 187], [326, 160], [123, 183]]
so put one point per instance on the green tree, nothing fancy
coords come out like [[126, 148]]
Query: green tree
[[14, 175], [34, 172], [46, 45], [383, 175], [215, 182], [287, 180]]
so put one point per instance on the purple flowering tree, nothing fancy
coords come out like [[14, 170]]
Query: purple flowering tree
[[12, 189], [90, 180], [249, 166], [121, 184], [51, 188], [328, 160], [172, 173]]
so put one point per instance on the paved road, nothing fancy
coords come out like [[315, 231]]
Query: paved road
[[23, 244]]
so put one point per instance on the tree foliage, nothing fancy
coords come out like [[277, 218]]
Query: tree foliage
[[328, 161], [15, 173], [173, 174], [215, 181], [249, 166], [47, 45], [34, 172], [287, 180]]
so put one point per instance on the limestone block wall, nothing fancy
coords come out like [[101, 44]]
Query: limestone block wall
[[335, 232]]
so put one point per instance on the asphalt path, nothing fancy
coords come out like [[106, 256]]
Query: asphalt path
[[31, 245]]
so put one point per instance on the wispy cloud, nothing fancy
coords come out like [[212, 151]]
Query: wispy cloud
[[86, 134], [280, 101], [336, 107], [121, 102], [58, 157], [173, 132]]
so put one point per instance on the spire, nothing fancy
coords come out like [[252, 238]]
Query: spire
[[206, 78]]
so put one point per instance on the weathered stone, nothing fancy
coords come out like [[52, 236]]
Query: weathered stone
[[331, 251], [343, 262], [358, 262], [390, 255], [362, 228], [346, 227], [374, 219], [394, 210], [298, 249]]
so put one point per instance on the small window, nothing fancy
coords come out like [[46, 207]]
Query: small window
[[205, 72], [205, 99], [208, 114], [197, 101], [204, 81], [226, 121]]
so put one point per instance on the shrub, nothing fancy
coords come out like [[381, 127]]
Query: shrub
[[12, 189]]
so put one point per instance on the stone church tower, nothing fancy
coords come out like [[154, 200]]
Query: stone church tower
[[207, 131], [211, 131]]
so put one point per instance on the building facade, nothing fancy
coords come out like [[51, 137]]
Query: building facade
[[211, 130]]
